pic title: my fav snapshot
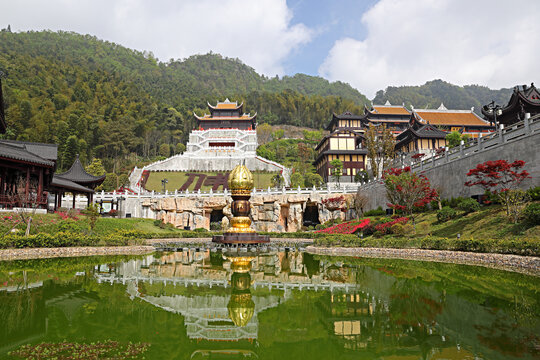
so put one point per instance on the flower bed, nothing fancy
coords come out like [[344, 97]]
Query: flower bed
[[385, 227], [346, 228]]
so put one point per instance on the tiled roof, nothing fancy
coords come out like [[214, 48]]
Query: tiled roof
[[76, 173], [60, 182], [226, 105], [21, 153], [46, 151], [451, 117], [209, 117], [387, 110]]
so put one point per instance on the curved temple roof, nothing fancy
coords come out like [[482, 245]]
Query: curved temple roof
[[77, 174]]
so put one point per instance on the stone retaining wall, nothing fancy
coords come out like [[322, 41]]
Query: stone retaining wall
[[274, 213]]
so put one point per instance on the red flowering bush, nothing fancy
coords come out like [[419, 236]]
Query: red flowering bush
[[502, 179], [407, 191], [384, 228], [67, 215], [346, 228], [497, 176], [418, 156]]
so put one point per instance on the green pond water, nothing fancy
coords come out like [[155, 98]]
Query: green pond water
[[275, 305]]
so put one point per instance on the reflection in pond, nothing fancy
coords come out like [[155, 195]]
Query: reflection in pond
[[206, 304]]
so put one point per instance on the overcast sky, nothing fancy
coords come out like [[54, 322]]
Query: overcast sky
[[370, 44]]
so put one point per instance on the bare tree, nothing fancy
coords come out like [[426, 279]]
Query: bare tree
[[360, 202], [380, 146], [26, 202]]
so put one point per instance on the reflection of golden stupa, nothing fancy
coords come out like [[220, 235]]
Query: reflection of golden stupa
[[240, 264], [241, 309], [241, 306]]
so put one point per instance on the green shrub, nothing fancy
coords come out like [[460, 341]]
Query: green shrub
[[447, 213], [469, 205], [532, 214], [215, 226], [397, 229], [521, 246], [376, 212], [534, 193]]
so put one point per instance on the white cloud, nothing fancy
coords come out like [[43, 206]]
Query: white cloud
[[258, 32], [487, 42]]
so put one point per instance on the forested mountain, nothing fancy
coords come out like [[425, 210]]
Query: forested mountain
[[433, 93], [103, 100]]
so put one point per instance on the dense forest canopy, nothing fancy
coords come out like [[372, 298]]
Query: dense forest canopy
[[123, 106], [433, 93]]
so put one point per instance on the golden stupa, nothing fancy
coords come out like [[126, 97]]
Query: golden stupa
[[240, 183], [240, 232]]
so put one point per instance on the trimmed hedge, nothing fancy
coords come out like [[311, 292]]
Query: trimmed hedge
[[68, 238], [522, 246]]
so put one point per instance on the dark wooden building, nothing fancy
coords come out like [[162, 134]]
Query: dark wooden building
[[524, 100], [420, 138], [345, 145], [26, 171], [348, 121], [226, 115]]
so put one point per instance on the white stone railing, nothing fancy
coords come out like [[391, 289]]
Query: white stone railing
[[499, 137], [327, 189]]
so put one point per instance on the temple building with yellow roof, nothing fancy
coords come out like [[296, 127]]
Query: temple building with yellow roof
[[463, 121], [221, 140]]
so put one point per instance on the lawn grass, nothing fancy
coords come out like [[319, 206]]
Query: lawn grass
[[53, 223], [490, 222], [178, 178]]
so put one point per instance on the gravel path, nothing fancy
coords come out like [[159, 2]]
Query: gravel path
[[524, 264], [37, 253]]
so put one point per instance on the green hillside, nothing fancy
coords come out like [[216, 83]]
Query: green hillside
[[433, 93]]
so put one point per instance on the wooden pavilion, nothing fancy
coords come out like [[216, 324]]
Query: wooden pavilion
[[76, 181]]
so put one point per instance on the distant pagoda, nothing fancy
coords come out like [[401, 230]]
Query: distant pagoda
[[226, 115]]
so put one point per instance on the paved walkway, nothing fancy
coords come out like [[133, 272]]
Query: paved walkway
[[523, 264]]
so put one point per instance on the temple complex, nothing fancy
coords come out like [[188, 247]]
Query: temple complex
[[394, 117], [464, 121], [222, 140], [420, 138], [524, 100]]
